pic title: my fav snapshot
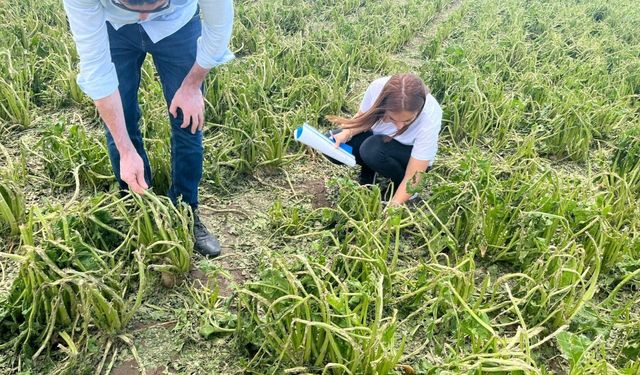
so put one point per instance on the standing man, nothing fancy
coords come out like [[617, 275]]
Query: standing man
[[112, 38]]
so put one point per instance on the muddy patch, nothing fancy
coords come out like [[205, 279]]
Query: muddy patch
[[140, 326], [317, 190], [225, 281], [130, 367]]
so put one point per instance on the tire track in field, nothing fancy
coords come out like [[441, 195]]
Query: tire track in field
[[410, 55]]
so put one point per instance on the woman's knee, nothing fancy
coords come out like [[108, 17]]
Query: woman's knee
[[372, 151]]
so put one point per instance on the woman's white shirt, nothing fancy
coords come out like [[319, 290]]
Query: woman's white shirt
[[422, 134]]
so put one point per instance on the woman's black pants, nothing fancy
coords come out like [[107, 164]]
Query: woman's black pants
[[376, 153]]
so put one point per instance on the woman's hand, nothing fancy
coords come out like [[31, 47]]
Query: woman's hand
[[393, 203], [343, 137], [413, 175]]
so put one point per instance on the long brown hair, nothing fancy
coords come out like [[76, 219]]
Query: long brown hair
[[402, 92]]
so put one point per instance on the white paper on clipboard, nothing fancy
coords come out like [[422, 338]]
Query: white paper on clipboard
[[311, 137]]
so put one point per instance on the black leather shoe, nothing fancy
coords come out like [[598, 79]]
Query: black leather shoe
[[205, 243]]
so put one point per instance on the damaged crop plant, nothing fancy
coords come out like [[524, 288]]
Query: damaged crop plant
[[522, 256], [84, 268]]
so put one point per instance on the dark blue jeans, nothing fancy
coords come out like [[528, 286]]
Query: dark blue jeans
[[173, 57]]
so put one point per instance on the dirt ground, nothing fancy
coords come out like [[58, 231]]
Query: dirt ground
[[163, 336]]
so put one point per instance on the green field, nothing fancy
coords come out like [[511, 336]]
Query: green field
[[522, 258]]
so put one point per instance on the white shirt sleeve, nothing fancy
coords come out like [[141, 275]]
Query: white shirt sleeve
[[217, 22], [426, 143], [97, 77]]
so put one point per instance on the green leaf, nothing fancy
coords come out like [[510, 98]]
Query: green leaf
[[572, 346], [207, 330]]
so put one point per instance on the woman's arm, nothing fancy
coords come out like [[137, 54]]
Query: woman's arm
[[354, 131], [414, 169], [347, 133]]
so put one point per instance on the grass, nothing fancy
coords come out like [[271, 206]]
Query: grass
[[71, 155], [12, 207], [84, 268], [523, 256], [303, 315], [12, 200]]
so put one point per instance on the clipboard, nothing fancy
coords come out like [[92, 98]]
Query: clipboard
[[308, 135]]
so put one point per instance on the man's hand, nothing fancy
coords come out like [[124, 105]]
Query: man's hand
[[189, 99], [131, 165], [132, 171]]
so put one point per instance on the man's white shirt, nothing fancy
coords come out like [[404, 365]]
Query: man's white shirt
[[87, 19]]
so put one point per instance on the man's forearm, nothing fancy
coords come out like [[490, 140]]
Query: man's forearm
[[111, 112], [196, 76]]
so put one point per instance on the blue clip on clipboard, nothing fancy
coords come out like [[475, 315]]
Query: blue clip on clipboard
[[343, 146]]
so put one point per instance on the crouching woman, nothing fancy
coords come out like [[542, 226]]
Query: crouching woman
[[395, 132]]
